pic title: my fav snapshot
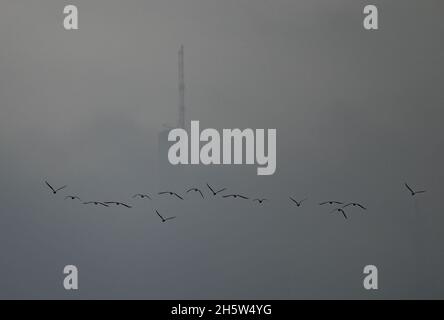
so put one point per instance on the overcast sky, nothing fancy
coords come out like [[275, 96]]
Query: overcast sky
[[357, 114]]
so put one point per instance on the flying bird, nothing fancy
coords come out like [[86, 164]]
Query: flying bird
[[141, 196], [164, 219], [340, 210], [235, 196], [73, 198], [215, 192], [118, 203], [298, 203], [354, 204], [411, 190], [330, 202], [54, 191], [171, 193], [97, 203], [196, 190], [260, 200]]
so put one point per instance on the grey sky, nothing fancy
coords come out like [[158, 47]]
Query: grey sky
[[357, 114]]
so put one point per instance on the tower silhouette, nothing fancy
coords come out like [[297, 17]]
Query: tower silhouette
[[163, 143], [181, 120]]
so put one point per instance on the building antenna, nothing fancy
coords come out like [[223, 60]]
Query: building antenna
[[181, 120]]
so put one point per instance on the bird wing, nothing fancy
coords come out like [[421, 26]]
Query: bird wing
[[201, 193], [228, 195], [422, 191], [361, 206], [163, 192], [243, 197], [348, 204], [103, 204], [125, 205], [159, 215], [343, 213], [325, 202], [170, 218], [192, 189], [210, 188], [337, 202], [136, 195], [294, 200], [221, 190], [61, 188], [410, 189], [178, 196], [89, 202], [49, 186]]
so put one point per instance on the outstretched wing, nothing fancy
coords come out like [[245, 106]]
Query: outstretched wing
[[243, 197], [221, 190], [408, 187], [178, 196], [361, 206], [157, 212], [170, 218], [422, 191], [200, 193], [209, 187], [125, 205], [61, 188], [50, 186]]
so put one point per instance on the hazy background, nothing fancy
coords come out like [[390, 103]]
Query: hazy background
[[357, 114]]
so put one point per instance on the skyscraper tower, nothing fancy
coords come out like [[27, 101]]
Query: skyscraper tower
[[181, 120]]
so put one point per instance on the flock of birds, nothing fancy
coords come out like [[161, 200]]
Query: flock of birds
[[339, 206]]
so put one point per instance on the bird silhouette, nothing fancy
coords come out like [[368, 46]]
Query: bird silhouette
[[118, 203], [354, 204], [330, 202], [215, 192], [235, 196], [73, 198], [260, 200], [340, 210], [141, 196], [171, 193], [298, 203], [97, 203], [196, 190], [411, 190], [54, 191], [164, 219]]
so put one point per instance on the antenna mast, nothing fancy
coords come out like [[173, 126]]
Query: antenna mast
[[181, 121]]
